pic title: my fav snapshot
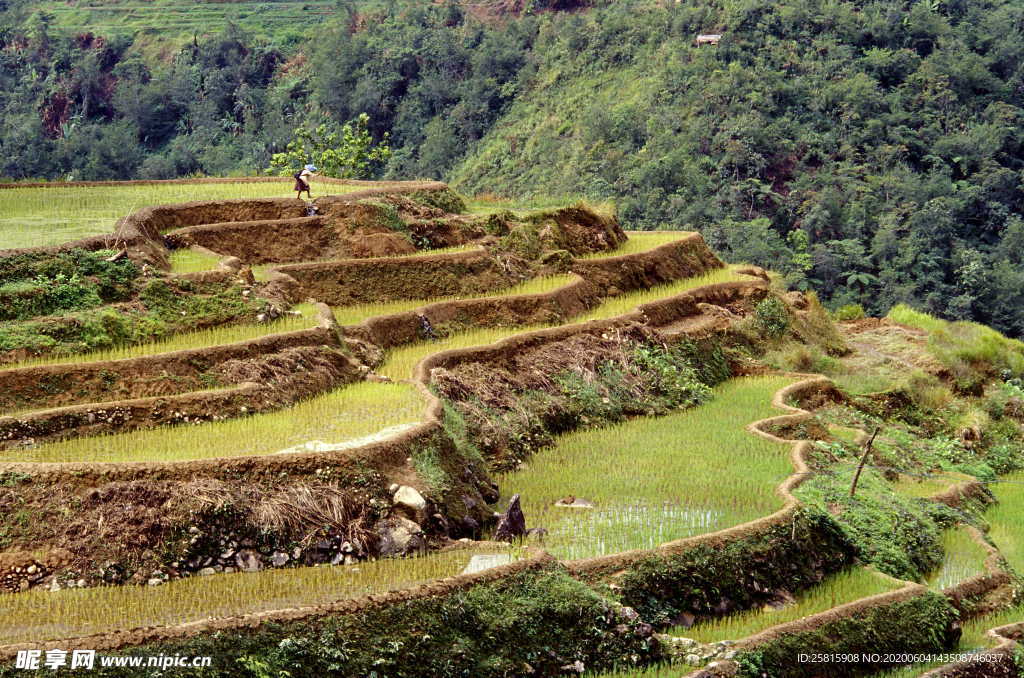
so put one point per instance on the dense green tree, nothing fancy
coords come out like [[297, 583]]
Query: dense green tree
[[344, 153]]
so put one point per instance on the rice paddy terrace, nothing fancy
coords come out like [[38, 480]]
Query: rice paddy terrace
[[384, 432]]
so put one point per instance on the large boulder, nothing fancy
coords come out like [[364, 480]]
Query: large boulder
[[399, 536], [410, 499]]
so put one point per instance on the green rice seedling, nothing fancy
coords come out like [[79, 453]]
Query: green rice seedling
[[1006, 519], [655, 479], [215, 336], [640, 241], [657, 671], [262, 271], [191, 261], [974, 630], [40, 615], [454, 249], [964, 558], [31, 217], [909, 671], [840, 588], [356, 414]]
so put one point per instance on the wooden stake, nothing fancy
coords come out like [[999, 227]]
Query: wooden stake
[[863, 460]]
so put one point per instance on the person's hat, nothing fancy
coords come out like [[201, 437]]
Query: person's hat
[[311, 168]]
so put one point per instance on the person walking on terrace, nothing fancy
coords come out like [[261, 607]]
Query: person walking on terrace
[[302, 181]]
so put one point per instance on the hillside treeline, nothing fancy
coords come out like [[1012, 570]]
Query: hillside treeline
[[870, 150]]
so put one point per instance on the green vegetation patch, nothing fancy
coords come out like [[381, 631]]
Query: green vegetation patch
[[161, 308], [973, 353], [303, 316], [41, 284], [447, 200], [898, 534]]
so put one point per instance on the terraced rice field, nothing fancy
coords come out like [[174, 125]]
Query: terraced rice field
[[838, 589], [663, 496], [31, 217], [401, 362], [648, 477], [1007, 519], [43, 615], [624, 303]]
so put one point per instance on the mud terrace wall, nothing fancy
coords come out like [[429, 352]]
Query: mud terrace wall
[[357, 281], [260, 242], [686, 257]]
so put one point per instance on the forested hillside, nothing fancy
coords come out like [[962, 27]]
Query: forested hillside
[[872, 150]]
